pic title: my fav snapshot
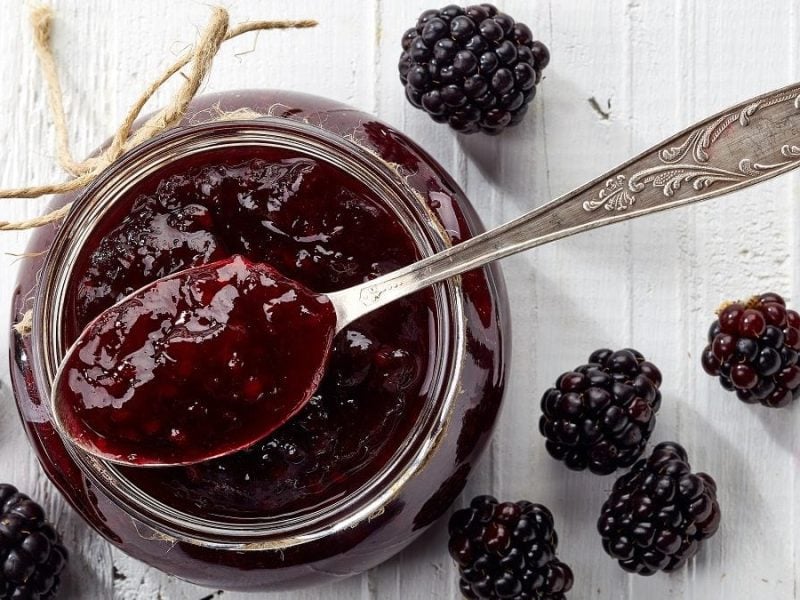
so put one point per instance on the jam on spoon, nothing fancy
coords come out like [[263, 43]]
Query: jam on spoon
[[175, 373]]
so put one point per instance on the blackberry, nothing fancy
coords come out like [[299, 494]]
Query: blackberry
[[507, 550], [31, 554], [601, 414], [753, 348], [474, 68], [659, 513]]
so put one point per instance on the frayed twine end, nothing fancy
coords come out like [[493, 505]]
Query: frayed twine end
[[25, 325]]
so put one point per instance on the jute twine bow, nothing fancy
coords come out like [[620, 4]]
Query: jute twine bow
[[84, 172]]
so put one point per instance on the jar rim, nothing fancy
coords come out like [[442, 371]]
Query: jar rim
[[413, 213]]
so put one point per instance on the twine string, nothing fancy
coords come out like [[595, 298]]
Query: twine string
[[201, 57], [41, 22]]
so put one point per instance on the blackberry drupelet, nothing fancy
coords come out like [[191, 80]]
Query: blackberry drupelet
[[507, 550], [31, 554], [601, 414], [659, 513], [753, 349], [474, 68]]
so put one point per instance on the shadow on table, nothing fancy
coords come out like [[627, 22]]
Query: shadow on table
[[562, 124], [782, 424]]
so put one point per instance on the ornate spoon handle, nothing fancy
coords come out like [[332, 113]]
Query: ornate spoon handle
[[744, 145]]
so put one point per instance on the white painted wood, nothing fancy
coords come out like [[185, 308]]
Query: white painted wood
[[653, 67]]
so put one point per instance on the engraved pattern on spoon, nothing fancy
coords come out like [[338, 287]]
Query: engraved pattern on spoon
[[619, 192]]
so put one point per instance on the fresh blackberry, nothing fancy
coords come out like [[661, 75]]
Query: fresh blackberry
[[474, 68], [507, 550], [659, 513], [601, 414], [31, 554], [753, 349]]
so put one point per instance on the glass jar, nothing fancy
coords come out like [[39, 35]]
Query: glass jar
[[370, 520]]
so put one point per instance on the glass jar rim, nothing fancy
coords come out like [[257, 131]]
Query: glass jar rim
[[49, 345]]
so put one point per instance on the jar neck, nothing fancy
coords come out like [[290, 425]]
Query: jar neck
[[50, 339]]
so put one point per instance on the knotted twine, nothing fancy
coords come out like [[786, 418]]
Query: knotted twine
[[199, 58]]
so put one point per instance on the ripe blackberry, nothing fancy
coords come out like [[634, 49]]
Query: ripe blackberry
[[507, 550], [753, 349], [659, 513], [31, 554], [601, 414], [474, 68]]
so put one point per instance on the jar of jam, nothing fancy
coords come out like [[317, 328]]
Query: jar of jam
[[330, 197]]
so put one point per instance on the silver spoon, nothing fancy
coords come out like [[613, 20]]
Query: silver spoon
[[739, 147]]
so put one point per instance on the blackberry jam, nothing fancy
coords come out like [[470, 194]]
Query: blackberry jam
[[329, 197], [195, 366]]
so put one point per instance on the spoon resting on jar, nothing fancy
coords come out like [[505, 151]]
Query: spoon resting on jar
[[173, 373]]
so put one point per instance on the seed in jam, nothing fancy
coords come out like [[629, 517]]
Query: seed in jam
[[195, 365]]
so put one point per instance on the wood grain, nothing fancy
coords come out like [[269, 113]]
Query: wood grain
[[624, 74]]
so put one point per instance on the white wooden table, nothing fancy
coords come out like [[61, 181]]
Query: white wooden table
[[651, 68]]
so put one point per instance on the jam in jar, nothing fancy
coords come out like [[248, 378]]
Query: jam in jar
[[329, 197]]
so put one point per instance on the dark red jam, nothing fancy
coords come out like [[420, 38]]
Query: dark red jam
[[195, 365], [314, 225], [406, 404]]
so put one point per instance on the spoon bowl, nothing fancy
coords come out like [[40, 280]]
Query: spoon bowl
[[174, 374]]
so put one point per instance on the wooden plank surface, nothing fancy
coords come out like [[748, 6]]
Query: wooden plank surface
[[624, 74]]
